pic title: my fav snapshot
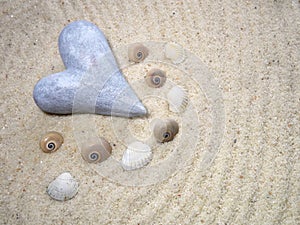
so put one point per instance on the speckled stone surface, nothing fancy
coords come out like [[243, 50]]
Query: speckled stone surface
[[92, 82]]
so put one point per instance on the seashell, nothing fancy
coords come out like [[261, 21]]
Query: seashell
[[136, 156], [174, 52], [177, 99], [165, 130], [96, 150], [51, 141], [63, 188], [156, 78], [137, 52]]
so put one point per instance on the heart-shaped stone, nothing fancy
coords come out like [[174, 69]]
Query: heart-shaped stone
[[92, 81]]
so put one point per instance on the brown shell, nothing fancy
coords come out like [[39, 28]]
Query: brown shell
[[165, 130], [156, 78], [137, 52], [51, 141], [96, 150]]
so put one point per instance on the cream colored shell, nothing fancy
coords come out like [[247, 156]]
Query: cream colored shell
[[175, 53], [136, 156], [156, 78], [96, 150], [165, 130], [51, 142], [137, 52], [177, 99], [63, 188]]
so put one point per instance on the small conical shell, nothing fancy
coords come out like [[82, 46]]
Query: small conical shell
[[177, 99], [96, 150], [137, 52], [51, 141], [136, 156], [165, 130], [174, 52], [63, 188], [156, 78]]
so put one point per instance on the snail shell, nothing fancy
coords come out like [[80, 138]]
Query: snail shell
[[177, 99], [63, 188], [137, 52], [165, 130], [156, 78], [136, 156], [51, 141], [96, 150], [174, 52]]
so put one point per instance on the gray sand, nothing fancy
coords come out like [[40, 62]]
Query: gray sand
[[252, 50]]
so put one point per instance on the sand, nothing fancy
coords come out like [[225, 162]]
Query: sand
[[249, 174]]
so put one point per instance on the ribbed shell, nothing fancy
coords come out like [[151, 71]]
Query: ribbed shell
[[136, 156], [175, 53], [177, 99], [63, 188]]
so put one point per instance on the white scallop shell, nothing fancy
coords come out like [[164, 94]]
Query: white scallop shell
[[136, 156], [174, 52], [63, 188], [177, 99]]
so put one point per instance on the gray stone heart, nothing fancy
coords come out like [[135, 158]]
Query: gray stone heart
[[92, 81]]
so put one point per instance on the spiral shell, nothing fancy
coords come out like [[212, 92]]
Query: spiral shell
[[51, 141], [165, 130], [136, 156], [63, 188], [177, 99], [137, 52], [96, 150], [156, 78], [174, 52]]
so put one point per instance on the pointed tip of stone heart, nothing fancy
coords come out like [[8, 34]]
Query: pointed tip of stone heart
[[128, 105], [138, 110]]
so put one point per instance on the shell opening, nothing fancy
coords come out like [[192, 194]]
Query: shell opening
[[94, 156], [139, 55], [166, 135], [156, 80], [51, 146]]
